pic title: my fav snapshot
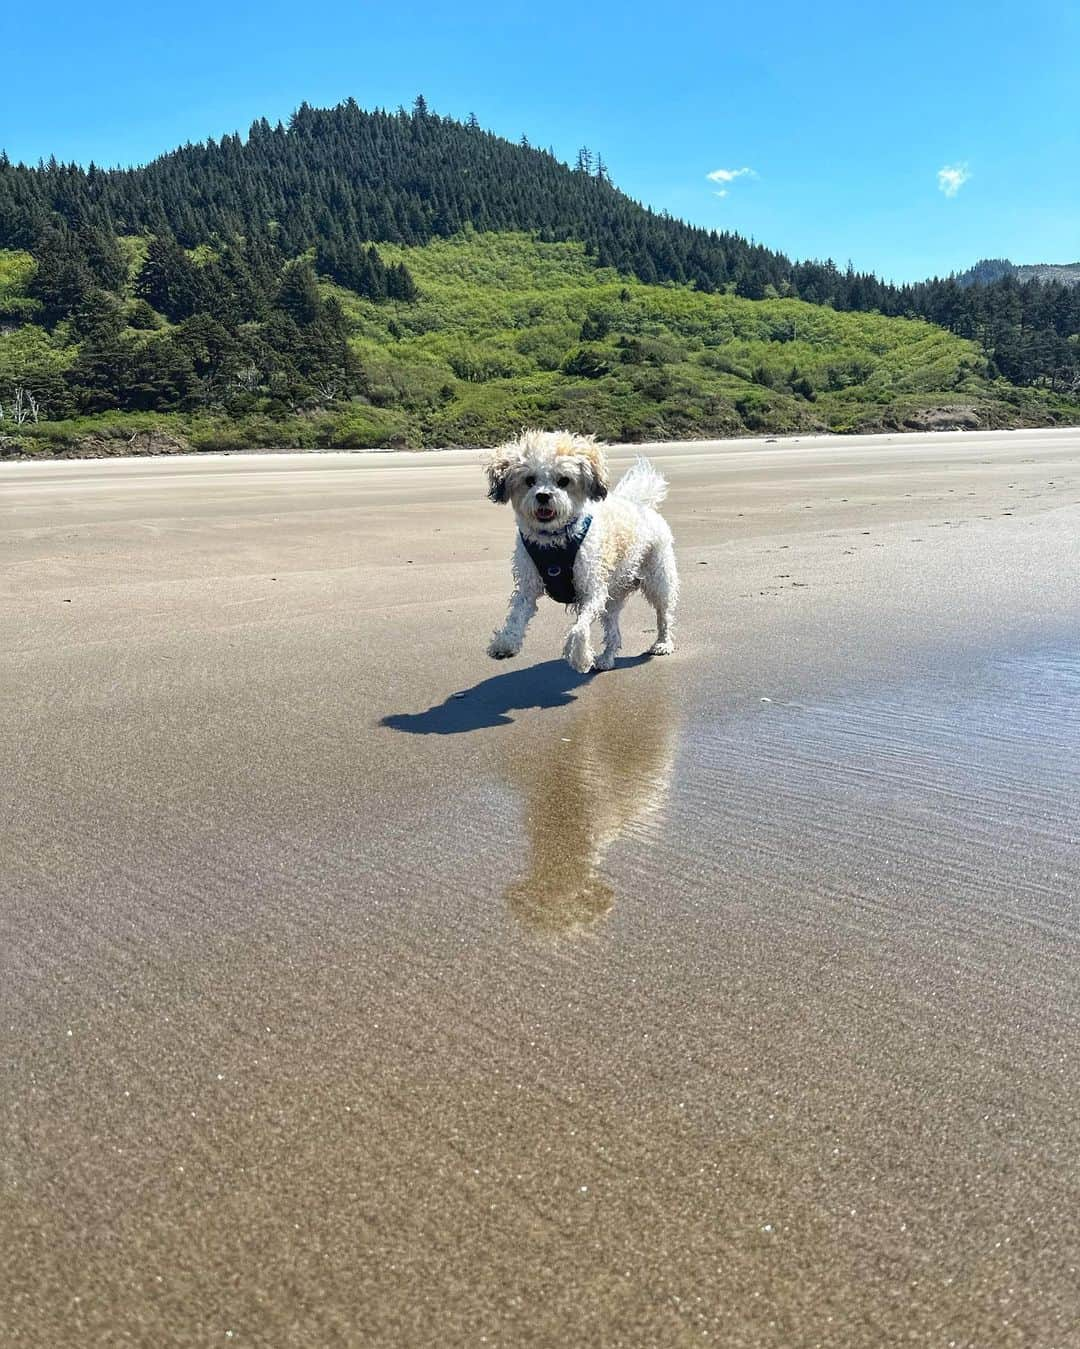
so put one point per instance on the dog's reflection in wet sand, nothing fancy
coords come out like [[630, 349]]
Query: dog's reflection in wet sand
[[606, 774]]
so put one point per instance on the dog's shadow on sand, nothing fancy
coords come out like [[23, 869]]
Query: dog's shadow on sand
[[552, 683]]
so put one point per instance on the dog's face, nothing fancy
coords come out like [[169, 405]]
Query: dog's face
[[548, 477]]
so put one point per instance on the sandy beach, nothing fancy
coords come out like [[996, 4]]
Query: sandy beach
[[731, 997]]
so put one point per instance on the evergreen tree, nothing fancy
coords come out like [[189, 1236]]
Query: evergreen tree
[[161, 378], [103, 256], [399, 283], [298, 294], [169, 281], [63, 279], [96, 317], [102, 374]]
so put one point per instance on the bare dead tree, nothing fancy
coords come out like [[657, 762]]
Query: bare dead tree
[[24, 407], [249, 378]]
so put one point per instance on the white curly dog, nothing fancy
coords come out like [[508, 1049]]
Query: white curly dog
[[586, 548]]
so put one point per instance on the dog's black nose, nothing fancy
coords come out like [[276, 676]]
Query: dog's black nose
[[542, 498]]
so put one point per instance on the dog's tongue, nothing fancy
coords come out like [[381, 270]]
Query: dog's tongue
[[544, 513]]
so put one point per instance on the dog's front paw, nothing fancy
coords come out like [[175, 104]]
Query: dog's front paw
[[501, 647], [579, 653], [661, 648], [605, 661]]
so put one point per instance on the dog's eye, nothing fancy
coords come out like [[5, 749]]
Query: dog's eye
[[564, 482], [530, 481]]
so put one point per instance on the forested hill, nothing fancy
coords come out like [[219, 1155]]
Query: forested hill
[[276, 277], [339, 178], [335, 179]]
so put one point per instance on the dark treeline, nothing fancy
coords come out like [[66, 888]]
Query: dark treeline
[[247, 328], [337, 180]]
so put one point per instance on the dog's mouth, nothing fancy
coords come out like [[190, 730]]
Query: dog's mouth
[[545, 513]]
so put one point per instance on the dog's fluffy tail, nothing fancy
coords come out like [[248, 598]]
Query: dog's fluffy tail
[[642, 484]]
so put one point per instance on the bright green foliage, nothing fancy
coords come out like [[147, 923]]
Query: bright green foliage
[[133, 249], [32, 360], [17, 269], [502, 330], [498, 328]]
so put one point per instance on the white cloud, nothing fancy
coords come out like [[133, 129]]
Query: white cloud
[[721, 193], [952, 178], [729, 175]]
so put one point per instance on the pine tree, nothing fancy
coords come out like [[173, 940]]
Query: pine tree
[[399, 283], [298, 295], [169, 281], [63, 278], [96, 316], [103, 256]]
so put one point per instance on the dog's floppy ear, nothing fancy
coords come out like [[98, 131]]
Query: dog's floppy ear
[[498, 472], [597, 473]]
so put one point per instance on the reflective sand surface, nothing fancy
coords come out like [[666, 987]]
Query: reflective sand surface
[[728, 998]]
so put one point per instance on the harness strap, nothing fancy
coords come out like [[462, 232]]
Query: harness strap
[[555, 560]]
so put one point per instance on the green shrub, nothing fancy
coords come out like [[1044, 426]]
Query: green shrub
[[588, 362], [371, 428]]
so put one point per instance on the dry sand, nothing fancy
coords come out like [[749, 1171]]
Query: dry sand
[[730, 998]]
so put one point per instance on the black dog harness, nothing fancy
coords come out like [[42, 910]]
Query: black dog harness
[[555, 560]]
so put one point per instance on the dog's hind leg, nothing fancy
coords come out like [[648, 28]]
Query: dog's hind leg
[[612, 635], [660, 584]]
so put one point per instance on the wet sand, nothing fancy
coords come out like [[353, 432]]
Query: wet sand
[[730, 997]]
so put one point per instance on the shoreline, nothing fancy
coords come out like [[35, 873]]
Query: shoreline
[[735, 443]]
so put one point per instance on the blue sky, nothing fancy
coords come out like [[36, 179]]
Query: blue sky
[[843, 114]]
